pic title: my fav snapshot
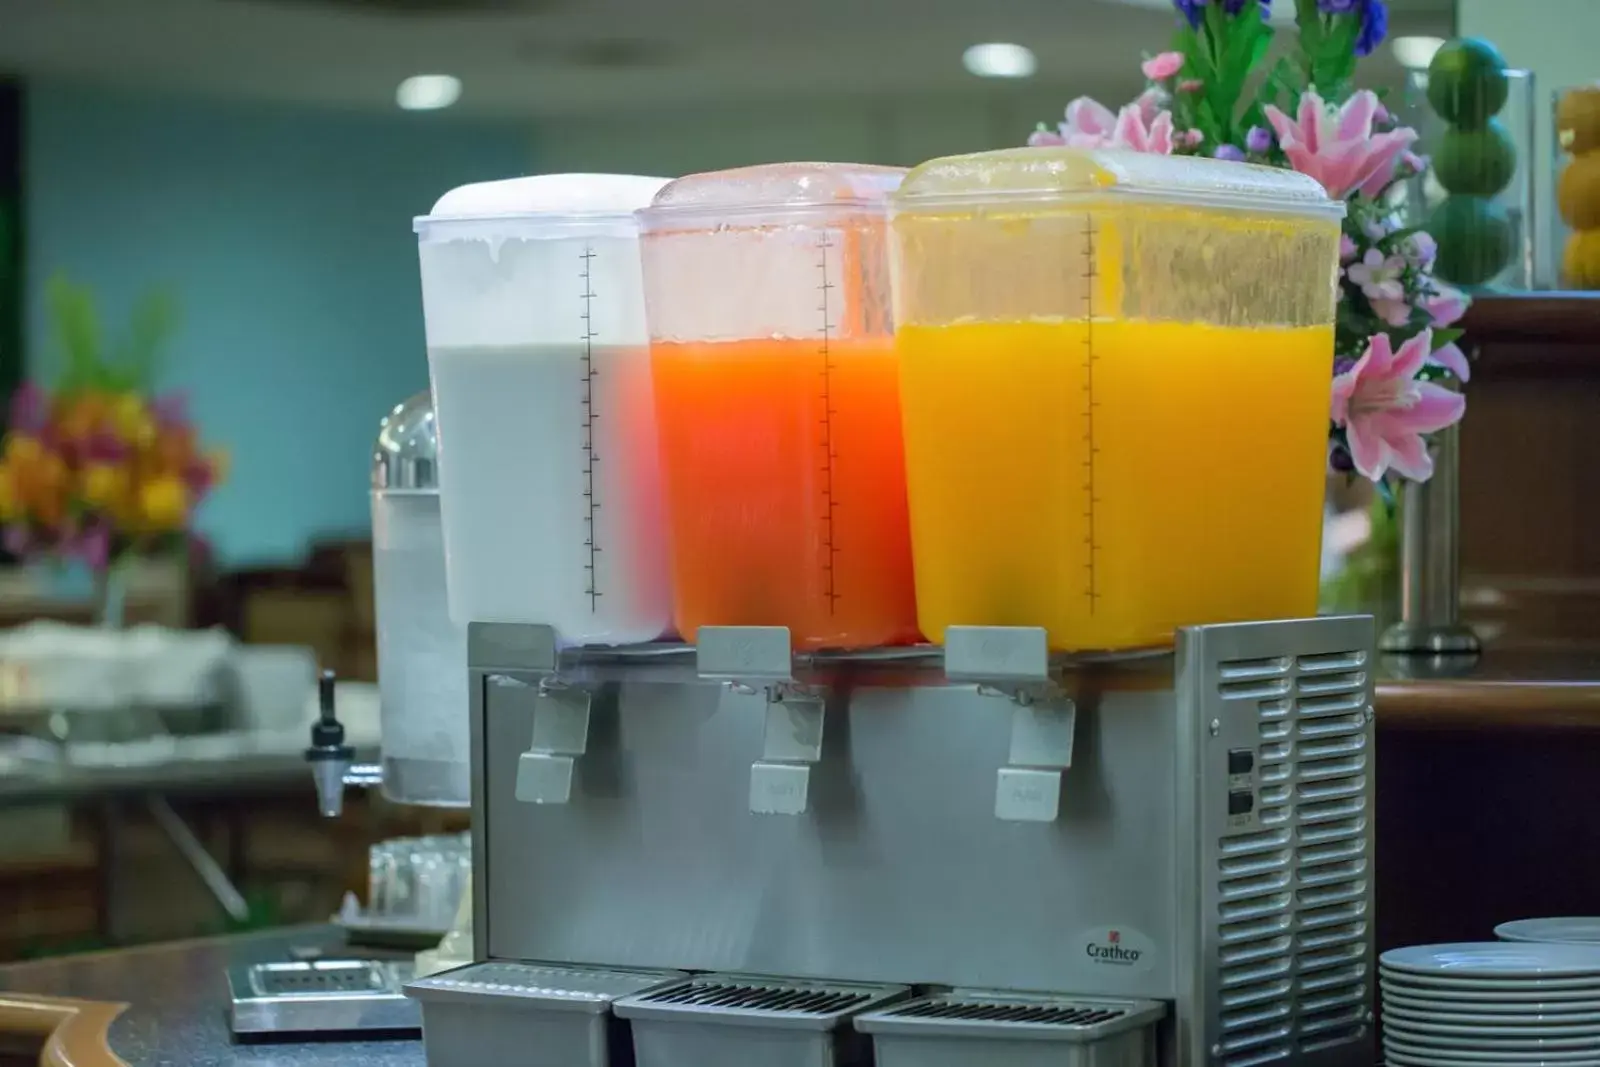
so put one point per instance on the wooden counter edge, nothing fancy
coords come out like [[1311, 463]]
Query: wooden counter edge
[[74, 1031], [1451, 704]]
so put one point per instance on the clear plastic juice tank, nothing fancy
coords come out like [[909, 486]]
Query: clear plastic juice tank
[[541, 379], [1115, 374], [422, 654], [778, 401]]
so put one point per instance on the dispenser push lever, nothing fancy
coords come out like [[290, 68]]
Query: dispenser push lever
[[760, 659], [560, 719], [1014, 662]]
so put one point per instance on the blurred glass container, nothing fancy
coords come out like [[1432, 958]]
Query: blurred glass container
[[1477, 198], [418, 882], [422, 654], [1575, 222]]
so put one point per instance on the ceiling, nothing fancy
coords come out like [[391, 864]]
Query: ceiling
[[553, 58]]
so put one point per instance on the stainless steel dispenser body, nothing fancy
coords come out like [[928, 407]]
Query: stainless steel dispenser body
[[1212, 847]]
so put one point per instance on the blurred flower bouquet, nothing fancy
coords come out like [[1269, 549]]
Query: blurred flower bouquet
[[100, 469], [1215, 93]]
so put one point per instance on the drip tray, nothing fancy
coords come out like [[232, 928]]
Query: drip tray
[[737, 1021], [529, 1014], [969, 1028], [320, 997]]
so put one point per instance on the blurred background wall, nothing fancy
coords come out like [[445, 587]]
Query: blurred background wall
[[285, 235]]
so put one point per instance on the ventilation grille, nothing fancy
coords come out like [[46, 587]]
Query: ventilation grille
[[761, 999], [1294, 891], [1005, 1017]]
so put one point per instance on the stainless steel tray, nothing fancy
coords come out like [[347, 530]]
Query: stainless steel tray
[[529, 1014], [321, 997]]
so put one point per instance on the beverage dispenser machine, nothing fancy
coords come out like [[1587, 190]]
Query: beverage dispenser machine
[[1117, 814]]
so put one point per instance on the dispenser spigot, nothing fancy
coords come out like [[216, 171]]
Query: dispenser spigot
[[1014, 662], [332, 761], [756, 659]]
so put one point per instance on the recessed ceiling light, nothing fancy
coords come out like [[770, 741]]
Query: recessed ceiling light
[[1415, 53], [999, 60], [428, 92]]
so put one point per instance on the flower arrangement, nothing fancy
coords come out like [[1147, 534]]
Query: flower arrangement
[[97, 468], [1395, 361]]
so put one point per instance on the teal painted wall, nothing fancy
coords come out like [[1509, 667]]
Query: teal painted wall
[[286, 236]]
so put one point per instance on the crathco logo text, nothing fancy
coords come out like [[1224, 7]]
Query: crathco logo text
[[1111, 951]]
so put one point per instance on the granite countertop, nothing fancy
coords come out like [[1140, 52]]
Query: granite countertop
[[178, 1002]]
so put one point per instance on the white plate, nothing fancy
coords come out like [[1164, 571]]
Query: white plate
[[1573, 930], [1506, 960], [1566, 987], [1394, 1049], [1496, 1000], [1487, 1041], [1433, 1020], [1398, 1058]]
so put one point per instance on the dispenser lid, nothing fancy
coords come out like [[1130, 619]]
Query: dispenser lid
[[1045, 175], [772, 189], [406, 454], [551, 200]]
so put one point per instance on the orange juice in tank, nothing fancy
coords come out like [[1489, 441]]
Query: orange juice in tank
[[1115, 379], [777, 402]]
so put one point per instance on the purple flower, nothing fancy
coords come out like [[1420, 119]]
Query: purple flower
[[1374, 27], [1231, 153], [171, 410], [92, 546], [1420, 250], [1338, 7], [1258, 140], [103, 447], [28, 414], [1194, 10], [18, 541]]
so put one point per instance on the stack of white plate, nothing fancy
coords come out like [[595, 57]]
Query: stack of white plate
[[1493, 1002], [1572, 930]]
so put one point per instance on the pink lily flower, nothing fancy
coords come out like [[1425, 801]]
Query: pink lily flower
[[1134, 132], [1452, 359], [1162, 66], [1394, 312], [1445, 305], [1088, 125], [1150, 103], [1338, 147], [1347, 249], [1385, 410]]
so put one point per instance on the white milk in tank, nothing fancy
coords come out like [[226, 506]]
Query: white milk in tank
[[538, 353]]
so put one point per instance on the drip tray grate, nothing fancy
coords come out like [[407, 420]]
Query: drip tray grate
[[742, 997], [320, 996], [738, 1020], [975, 1028]]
